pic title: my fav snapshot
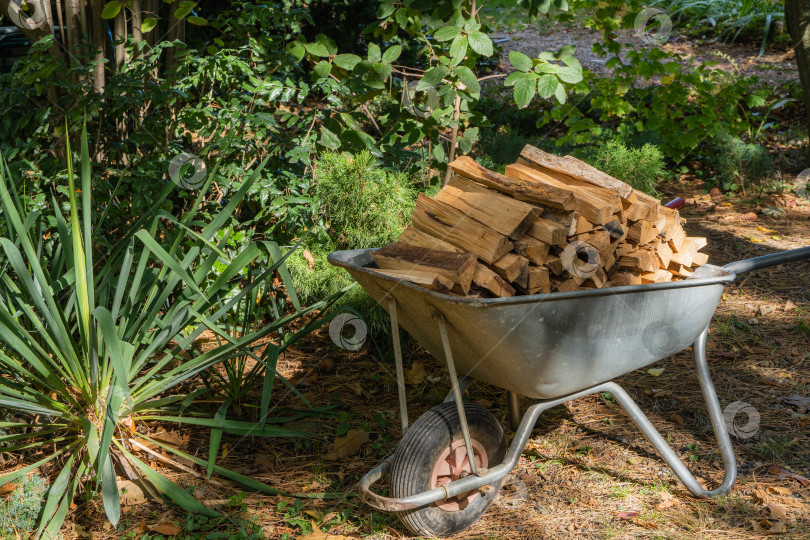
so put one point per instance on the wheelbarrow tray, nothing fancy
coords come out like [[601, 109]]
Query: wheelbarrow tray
[[545, 346]]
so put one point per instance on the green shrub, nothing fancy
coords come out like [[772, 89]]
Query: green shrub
[[736, 163], [487, 161], [362, 204], [20, 511], [502, 147], [639, 167]]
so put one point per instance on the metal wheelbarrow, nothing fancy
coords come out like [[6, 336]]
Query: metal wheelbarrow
[[551, 348]]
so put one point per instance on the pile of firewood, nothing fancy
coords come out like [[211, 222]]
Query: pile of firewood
[[549, 224]]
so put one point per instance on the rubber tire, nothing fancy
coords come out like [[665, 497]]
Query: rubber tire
[[418, 452]]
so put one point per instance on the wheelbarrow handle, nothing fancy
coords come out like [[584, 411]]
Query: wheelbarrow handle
[[773, 259]]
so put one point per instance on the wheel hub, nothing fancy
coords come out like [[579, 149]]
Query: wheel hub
[[454, 464]]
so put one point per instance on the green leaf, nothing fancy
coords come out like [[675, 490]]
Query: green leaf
[[572, 62], [329, 139], [458, 50], [568, 50], [216, 437], [569, 75], [480, 43], [297, 50], [322, 69], [374, 53], [520, 61], [431, 78], [559, 93], [197, 21], [547, 85], [514, 77], [446, 33], [385, 9], [317, 49], [172, 490], [111, 9], [182, 12], [524, 91], [392, 53], [148, 24], [347, 61], [466, 76]]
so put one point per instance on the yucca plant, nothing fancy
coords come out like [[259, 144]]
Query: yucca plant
[[93, 344]]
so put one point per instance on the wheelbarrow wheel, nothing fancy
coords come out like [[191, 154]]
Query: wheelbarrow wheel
[[432, 454]]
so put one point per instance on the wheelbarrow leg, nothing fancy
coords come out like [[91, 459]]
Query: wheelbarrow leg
[[514, 410], [718, 423]]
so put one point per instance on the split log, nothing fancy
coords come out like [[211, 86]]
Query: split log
[[532, 192], [575, 168], [589, 206], [492, 282], [448, 224], [459, 268], [533, 249], [512, 268], [500, 213], [427, 279], [414, 237], [547, 231]]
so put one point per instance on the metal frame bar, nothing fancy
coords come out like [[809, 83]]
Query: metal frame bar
[[462, 415], [403, 404], [528, 421]]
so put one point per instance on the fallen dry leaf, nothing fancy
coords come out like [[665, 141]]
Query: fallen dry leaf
[[166, 528], [789, 306], [779, 490], [318, 534], [781, 472], [677, 418], [356, 388], [80, 531], [7, 488], [667, 500], [768, 527], [263, 460], [130, 491], [627, 514], [801, 402], [416, 374], [777, 511], [766, 309], [226, 449], [348, 445], [655, 372], [766, 230]]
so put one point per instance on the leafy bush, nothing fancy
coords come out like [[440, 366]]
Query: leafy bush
[[502, 146], [19, 512], [737, 163], [639, 167]]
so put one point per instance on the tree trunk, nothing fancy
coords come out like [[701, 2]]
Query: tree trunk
[[797, 18], [120, 40], [99, 38]]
